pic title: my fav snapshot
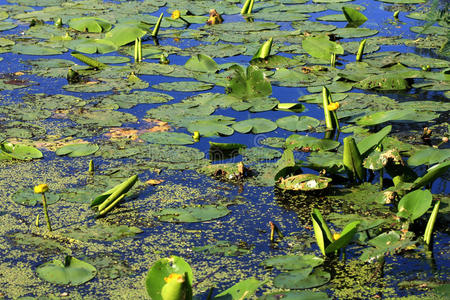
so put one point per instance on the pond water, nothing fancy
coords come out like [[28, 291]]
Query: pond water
[[194, 198]]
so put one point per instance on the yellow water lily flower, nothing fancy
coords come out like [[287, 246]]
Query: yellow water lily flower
[[174, 277], [333, 106], [336, 236], [40, 189], [176, 14]]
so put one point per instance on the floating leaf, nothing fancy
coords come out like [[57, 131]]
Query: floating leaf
[[168, 138], [249, 83], [73, 271], [125, 33], [296, 295], [18, 151], [223, 248], [77, 150], [302, 279], [192, 214], [27, 197], [309, 143], [183, 86], [90, 24], [296, 123], [353, 16], [101, 232], [242, 290], [414, 204], [398, 115], [213, 126], [293, 262], [256, 126], [429, 156]]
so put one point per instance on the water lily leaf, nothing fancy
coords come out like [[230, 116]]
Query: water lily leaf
[[296, 123], [310, 143], [103, 118], [404, 1], [7, 26], [223, 248], [101, 232], [347, 33], [124, 100], [190, 214], [249, 83], [395, 115], [293, 262], [183, 86], [429, 156], [113, 59], [414, 204], [321, 47], [303, 182], [77, 150], [296, 295], [388, 81], [3, 15], [353, 16], [256, 126], [429, 30], [333, 18], [201, 63], [27, 197], [292, 107], [255, 104], [330, 161], [34, 49], [92, 45], [385, 242], [18, 151], [123, 34], [90, 24], [302, 279], [154, 282], [73, 271], [259, 153], [212, 126], [168, 138], [346, 237], [309, 26], [241, 290]]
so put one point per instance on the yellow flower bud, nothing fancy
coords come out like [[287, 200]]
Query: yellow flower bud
[[176, 14], [175, 288], [40, 189], [336, 236], [333, 106]]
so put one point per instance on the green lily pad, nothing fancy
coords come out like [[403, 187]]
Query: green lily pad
[[183, 86], [396, 115], [241, 290], [7, 26], [77, 150], [255, 104], [300, 142], [168, 138], [347, 33], [296, 123], [256, 126], [414, 204], [27, 197], [429, 156], [293, 262], [192, 214], [302, 279], [90, 24], [259, 153], [34, 49], [248, 83], [73, 271], [216, 125], [125, 33], [113, 59], [103, 118], [223, 248], [100, 232], [92, 46], [18, 151], [124, 100]]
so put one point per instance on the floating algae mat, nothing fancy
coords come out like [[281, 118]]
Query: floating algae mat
[[282, 149]]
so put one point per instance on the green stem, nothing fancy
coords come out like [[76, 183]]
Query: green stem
[[325, 98], [360, 50], [44, 201]]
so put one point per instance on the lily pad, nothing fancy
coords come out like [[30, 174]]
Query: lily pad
[[90, 24], [27, 197], [414, 204], [302, 279], [303, 182], [183, 86], [309, 143], [18, 151], [293, 262], [296, 123], [296, 295], [321, 47], [168, 138], [256, 126], [215, 125], [241, 290], [223, 248], [73, 271], [100, 232], [429, 157], [201, 63], [192, 214], [77, 150]]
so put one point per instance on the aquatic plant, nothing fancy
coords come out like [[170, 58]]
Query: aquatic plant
[[428, 234], [329, 110], [138, 50], [157, 26], [264, 50], [247, 7], [41, 189], [214, 18]]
